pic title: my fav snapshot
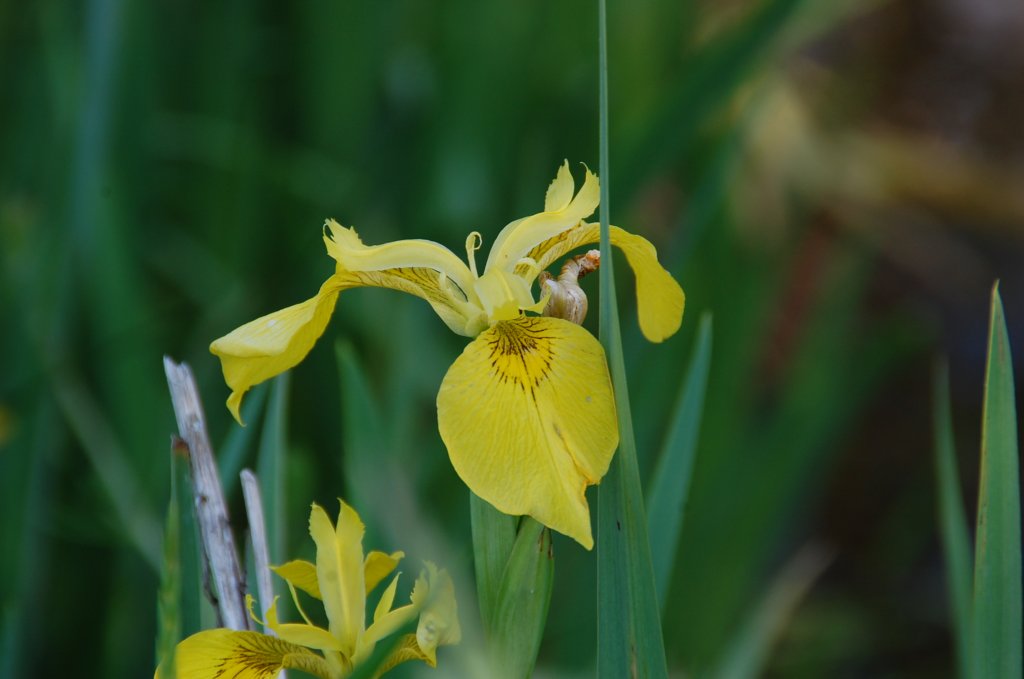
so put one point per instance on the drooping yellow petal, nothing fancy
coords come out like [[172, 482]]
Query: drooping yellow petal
[[528, 417], [218, 653], [339, 570], [418, 267], [271, 344], [434, 593], [301, 574], [659, 299], [378, 566], [274, 343], [518, 238]]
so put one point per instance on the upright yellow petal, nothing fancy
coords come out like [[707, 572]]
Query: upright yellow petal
[[385, 621], [518, 238], [274, 343], [528, 417], [217, 653], [339, 570], [560, 191], [659, 299], [378, 566], [300, 574]]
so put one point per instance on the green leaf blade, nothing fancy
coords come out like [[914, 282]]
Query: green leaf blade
[[671, 481], [494, 535], [629, 637], [996, 641], [270, 466], [521, 602]]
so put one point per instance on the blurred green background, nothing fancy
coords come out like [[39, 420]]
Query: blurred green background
[[839, 184]]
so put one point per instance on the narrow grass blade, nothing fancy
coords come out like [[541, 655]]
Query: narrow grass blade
[[952, 521], [996, 640], [746, 656], [170, 600], [270, 466], [670, 485], [629, 639], [521, 603], [494, 534], [189, 553]]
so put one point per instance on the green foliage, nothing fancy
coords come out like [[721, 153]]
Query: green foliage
[[521, 602], [670, 485], [996, 609], [166, 169]]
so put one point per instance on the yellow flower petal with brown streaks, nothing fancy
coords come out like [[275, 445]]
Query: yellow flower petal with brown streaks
[[528, 417], [242, 655]]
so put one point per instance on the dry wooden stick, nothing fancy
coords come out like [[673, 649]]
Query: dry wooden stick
[[258, 535], [211, 510]]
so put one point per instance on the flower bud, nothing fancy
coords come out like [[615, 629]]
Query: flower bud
[[567, 299]]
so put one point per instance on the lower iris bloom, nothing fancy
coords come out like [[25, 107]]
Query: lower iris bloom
[[526, 412], [341, 578]]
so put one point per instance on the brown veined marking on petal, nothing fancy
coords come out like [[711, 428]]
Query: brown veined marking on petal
[[252, 654], [418, 281], [521, 342], [421, 282], [546, 252]]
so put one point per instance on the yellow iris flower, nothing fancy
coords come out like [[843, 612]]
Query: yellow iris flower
[[341, 578], [526, 412]]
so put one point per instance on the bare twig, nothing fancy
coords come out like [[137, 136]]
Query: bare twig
[[260, 553], [211, 510], [258, 534]]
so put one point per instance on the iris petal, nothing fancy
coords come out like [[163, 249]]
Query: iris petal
[[528, 417], [309, 636], [339, 570], [274, 343], [244, 655], [300, 574], [519, 237], [434, 595], [378, 566], [659, 298], [347, 248], [560, 190]]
